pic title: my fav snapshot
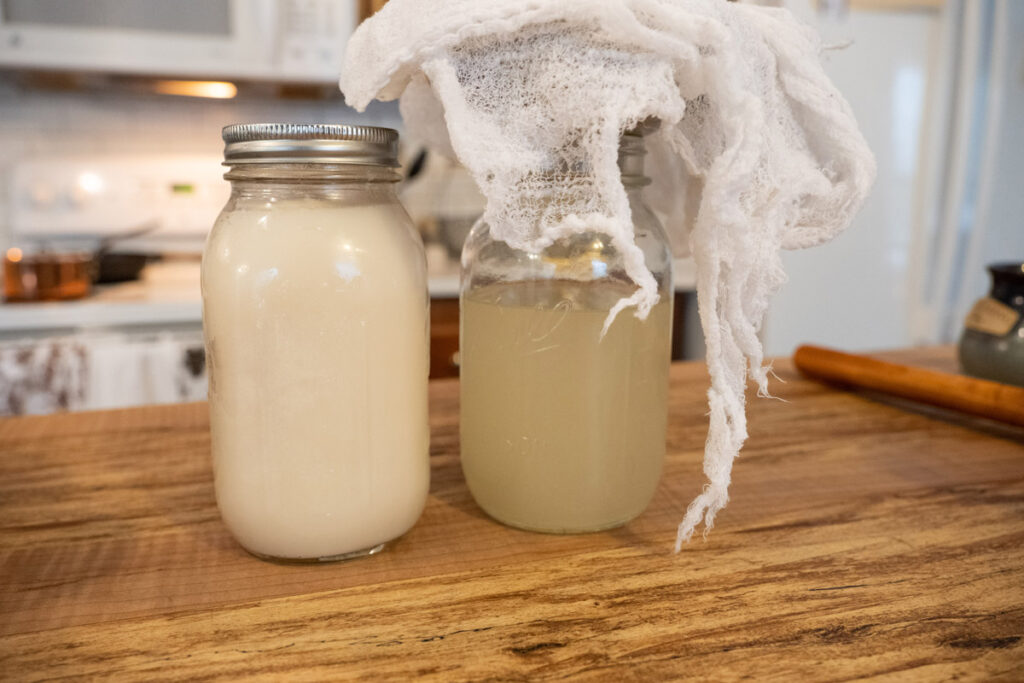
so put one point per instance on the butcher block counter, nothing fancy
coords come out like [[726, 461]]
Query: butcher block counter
[[864, 538]]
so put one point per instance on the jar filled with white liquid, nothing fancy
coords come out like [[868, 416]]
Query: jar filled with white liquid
[[563, 429], [315, 313]]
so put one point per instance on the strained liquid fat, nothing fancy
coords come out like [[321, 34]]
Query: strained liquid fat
[[562, 431], [316, 327]]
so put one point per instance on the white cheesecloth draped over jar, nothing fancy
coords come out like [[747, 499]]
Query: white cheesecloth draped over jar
[[756, 150]]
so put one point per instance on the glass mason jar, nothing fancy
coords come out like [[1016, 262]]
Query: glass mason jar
[[992, 343], [563, 431], [315, 311]]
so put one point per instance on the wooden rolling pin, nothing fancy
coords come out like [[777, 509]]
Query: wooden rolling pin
[[979, 397]]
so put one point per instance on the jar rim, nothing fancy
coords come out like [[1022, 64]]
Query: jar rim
[[1010, 269]]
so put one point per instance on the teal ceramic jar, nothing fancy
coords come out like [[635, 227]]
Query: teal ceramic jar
[[992, 345]]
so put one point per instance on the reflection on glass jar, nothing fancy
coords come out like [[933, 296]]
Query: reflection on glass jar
[[992, 344]]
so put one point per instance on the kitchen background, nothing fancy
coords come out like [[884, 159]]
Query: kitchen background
[[91, 150]]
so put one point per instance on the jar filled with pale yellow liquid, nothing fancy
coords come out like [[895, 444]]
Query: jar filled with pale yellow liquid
[[563, 429], [315, 313]]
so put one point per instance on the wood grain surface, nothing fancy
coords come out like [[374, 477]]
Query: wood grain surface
[[864, 538]]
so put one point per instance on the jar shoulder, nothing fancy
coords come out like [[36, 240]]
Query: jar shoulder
[[584, 256], [309, 239]]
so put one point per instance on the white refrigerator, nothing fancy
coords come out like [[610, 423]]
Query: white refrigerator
[[938, 89]]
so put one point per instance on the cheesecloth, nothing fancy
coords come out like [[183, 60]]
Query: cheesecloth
[[756, 150]]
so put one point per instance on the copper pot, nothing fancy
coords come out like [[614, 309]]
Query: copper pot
[[47, 276]]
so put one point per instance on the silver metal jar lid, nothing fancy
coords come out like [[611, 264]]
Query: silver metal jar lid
[[309, 143]]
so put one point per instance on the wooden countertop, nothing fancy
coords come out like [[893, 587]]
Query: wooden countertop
[[862, 539]]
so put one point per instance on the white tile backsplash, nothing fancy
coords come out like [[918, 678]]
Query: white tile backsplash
[[36, 122]]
